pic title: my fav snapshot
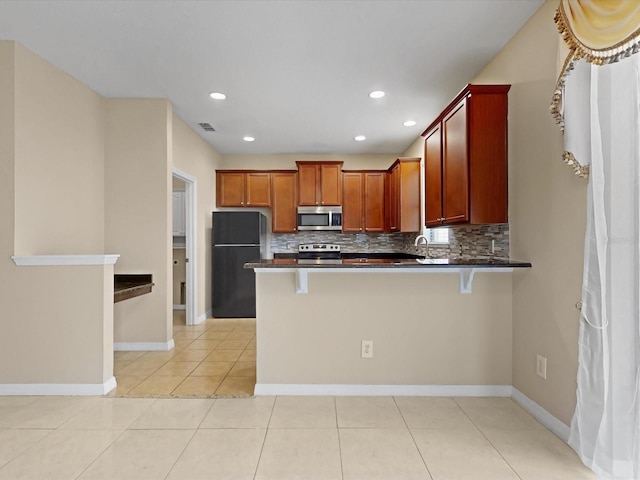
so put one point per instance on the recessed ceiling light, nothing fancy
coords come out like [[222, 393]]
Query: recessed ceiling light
[[409, 123], [248, 139], [217, 96], [360, 138], [377, 94]]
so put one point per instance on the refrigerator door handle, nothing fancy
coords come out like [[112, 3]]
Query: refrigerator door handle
[[236, 245]]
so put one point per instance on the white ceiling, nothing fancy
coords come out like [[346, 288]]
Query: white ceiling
[[296, 73]]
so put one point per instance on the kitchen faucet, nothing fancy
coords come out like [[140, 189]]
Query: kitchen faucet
[[423, 240]]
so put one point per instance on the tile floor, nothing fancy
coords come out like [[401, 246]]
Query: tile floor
[[279, 438], [215, 358]]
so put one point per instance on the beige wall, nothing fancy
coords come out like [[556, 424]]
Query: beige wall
[[56, 321], [192, 155], [7, 154], [59, 135], [424, 331], [138, 212], [547, 206]]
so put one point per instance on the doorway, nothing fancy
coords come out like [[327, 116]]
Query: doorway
[[184, 237]]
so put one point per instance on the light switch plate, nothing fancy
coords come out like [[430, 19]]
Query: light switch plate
[[541, 366]]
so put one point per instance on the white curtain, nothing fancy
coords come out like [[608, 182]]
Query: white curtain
[[602, 129]]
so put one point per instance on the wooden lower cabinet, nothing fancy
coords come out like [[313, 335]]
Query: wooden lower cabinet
[[284, 201], [363, 199]]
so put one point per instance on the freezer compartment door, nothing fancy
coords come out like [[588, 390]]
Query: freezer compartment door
[[244, 228], [234, 287]]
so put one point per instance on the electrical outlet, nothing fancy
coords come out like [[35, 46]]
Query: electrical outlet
[[366, 349], [541, 366]]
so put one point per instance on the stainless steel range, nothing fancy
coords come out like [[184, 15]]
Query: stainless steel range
[[313, 253]]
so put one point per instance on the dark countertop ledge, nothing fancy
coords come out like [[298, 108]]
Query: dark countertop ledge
[[127, 286], [364, 262]]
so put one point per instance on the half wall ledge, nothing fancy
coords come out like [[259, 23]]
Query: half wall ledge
[[68, 260]]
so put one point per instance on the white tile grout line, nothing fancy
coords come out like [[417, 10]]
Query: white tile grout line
[[335, 409], [413, 438], [487, 438], [264, 439], [181, 453]]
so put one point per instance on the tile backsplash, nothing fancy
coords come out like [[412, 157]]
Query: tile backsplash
[[473, 241]]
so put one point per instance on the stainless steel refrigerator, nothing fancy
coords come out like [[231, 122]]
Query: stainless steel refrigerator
[[238, 238]]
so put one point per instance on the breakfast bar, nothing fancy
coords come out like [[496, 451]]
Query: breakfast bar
[[466, 268], [425, 337]]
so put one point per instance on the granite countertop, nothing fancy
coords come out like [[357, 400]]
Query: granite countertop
[[387, 262]]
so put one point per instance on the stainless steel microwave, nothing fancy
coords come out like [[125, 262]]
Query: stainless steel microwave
[[319, 218]]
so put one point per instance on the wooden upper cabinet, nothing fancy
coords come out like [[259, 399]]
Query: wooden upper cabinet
[[393, 202], [433, 176], [319, 183], [284, 201], [230, 188], [466, 159], [363, 197], [352, 206], [404, 195], [308, 183], [374, 201], [258, 189], [237, 188], [331, 184], [455, 166]]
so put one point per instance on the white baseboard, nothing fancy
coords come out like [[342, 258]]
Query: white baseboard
[[58, 388], [544, 417], [179, 307], [143, 346], [385, 390], [204, 316]]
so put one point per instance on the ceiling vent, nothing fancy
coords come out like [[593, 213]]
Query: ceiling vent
[[207, 127]]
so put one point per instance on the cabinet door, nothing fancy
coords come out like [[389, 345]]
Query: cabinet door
[[330, 184], [394, 199], [374, 202], [178, 212], [230, 189], [258, 190], [455, 166], [352, 207], [409, 196], [433, 177], [308, 185], [284, 201]]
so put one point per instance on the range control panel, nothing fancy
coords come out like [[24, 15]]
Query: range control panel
[[319, 247]]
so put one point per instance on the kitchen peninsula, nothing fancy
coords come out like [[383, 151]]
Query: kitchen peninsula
[[427, 338]]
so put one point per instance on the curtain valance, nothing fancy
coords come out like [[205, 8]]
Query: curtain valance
[[595, 32]]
